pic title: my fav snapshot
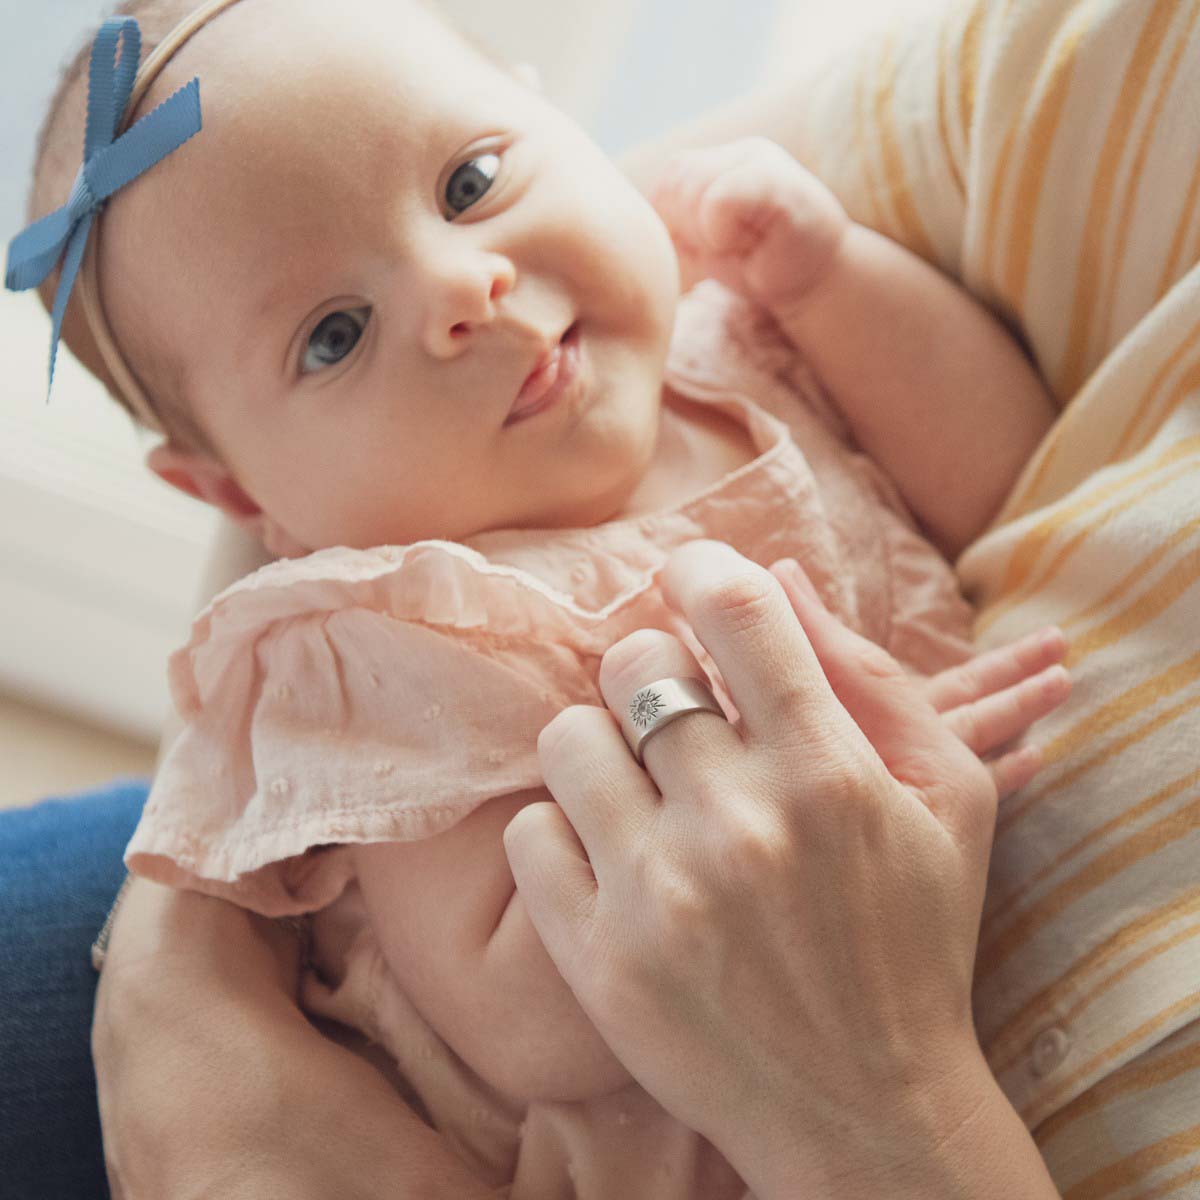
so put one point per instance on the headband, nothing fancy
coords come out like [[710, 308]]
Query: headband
[[113, 155]]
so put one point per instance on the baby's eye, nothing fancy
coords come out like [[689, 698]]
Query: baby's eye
[[471, 180], [334, 337]]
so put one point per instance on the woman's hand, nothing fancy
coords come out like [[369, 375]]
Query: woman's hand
[[212, 1083], [748, 214], [774, 926]]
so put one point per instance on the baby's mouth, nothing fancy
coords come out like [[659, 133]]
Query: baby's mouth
[[549, 379]]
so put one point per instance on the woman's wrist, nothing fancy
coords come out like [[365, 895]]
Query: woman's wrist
[[953, 1138]]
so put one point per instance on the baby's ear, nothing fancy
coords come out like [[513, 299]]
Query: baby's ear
[[528, 74], [202, 476]]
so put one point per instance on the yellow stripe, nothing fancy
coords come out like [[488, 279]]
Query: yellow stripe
[[1104, 755], [1150, 605], [1171, 1185], [1139, 846], [968, 67], [1175, 266], [1186, 1004], [991, 213], [1068, 1015], [1150, 132], [1039, 141], [1003, 905], [1023, 495], [943, 104], [1121, 708], [1139, 571], [1185, 389], [1045, 1005], [1032, 586], [1091, 255], [1034, 540], [1127, 1171], [1151, 393], [911, 233], [1139, 1075]]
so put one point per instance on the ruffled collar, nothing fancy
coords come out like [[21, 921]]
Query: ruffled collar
[[723, 352]]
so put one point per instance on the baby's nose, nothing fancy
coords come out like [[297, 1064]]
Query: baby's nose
[[463, 300]]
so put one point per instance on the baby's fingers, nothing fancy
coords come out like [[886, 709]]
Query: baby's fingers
[[990, 722], [996, 669], [1013, 771]]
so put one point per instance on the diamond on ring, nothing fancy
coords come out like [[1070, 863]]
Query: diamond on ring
[[645, 707]]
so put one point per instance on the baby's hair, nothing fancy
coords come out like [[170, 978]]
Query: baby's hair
[[57, 157]]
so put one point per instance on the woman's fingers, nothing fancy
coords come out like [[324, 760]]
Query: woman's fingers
[[889, 707], [985, 724], [742, 617], [996, 669], [671, 754]]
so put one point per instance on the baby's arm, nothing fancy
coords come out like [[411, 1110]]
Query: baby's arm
[[932, 386]]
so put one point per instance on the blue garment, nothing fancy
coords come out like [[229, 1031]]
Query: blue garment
[[60, 868]]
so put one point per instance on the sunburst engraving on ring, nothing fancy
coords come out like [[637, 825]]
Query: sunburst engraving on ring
[[645, 707]]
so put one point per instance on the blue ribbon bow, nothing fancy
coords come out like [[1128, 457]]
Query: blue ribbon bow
[[107, 166]]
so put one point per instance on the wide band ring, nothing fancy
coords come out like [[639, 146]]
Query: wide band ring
[[656, 705]]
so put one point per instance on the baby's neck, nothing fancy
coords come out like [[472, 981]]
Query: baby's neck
[[697, 445]]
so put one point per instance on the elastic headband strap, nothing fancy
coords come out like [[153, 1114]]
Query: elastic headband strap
[[114, 154], [131, 391]]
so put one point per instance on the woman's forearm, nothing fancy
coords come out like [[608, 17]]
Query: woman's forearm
[[211, 1082]]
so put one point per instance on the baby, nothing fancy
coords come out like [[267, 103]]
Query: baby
[[403, 321]]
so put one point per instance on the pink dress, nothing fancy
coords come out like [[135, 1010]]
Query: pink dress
[[384, 695]]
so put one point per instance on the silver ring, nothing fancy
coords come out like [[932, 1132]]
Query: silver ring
[[656, 705]]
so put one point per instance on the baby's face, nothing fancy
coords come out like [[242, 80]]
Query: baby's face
[[372, 241]]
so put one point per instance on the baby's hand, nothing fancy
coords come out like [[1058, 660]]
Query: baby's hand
[[991, 699], [747, 214], [995, 696]]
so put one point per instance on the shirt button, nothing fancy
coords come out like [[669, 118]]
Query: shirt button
[[1049, 1049]]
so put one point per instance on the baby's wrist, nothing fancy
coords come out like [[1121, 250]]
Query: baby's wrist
[[818, 273]]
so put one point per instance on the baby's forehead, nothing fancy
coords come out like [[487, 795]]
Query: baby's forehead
[[282, 51]]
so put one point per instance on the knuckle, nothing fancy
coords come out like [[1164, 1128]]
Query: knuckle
[[637, 659], [758, 849], [968, 679], [565, 729], [684, 911], [839, 775], [875, 662], [792, 701], [968, 725], [738, 603]]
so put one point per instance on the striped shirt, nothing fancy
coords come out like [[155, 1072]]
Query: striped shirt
[[1046, 153]]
